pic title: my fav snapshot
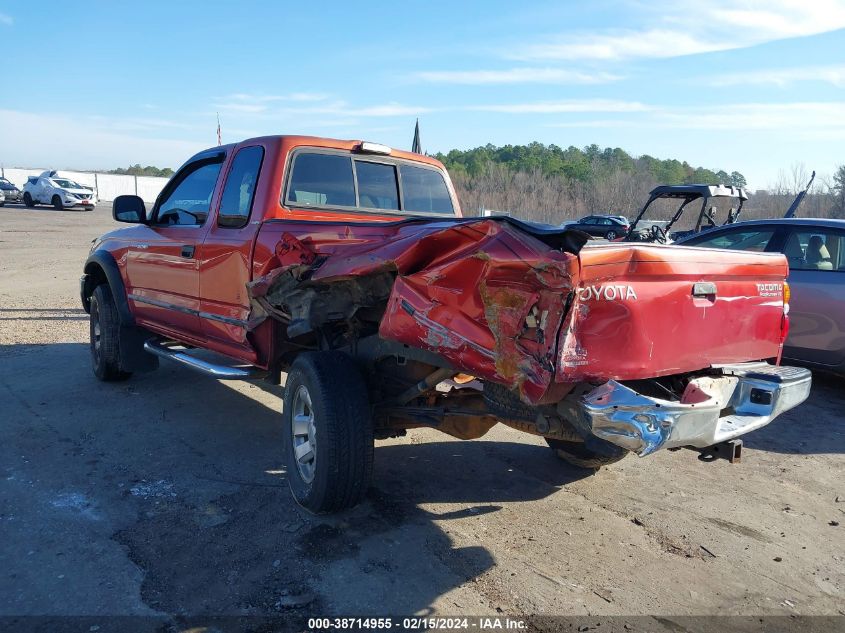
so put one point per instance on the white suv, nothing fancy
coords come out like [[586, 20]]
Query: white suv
[[61, 192]]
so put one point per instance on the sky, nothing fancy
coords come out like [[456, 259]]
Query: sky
[[757, 87]]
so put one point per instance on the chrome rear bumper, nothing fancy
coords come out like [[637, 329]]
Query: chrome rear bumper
[[714, 408]]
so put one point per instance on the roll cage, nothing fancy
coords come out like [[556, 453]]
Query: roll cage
[[686, 194]]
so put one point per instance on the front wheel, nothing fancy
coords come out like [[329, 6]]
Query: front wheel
[[57, 203], [104, 328], [327, 432], [27, 200], [593, 457]]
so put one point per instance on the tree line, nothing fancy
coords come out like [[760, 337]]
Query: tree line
[[149, 170], [548, 183]]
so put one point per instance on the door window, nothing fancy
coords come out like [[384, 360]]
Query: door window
[[739, 240], [239, 192], [815, 250], [187, 204]]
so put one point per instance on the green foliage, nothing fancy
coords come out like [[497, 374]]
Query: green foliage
[[149, 170], [582, 165], [737, 179]]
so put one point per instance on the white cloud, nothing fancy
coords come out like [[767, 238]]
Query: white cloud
[[254, 103], [6, 20], [555, 107], [388, 109], [516, 76], [785, 118], [88, 143], [782, 77], [689, 27], [304, 103]]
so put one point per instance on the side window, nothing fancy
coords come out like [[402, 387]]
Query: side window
[[188, 203], [740, 240], [321, 180], [377, 187], [239, 192], [815, 250], [424, 191]]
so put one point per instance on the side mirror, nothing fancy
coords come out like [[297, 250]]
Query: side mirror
[[129, 209]]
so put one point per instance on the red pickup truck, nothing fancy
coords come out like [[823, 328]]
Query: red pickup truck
[[347, 266]]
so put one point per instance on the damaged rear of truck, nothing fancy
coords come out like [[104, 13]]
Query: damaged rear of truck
[[384, 323]]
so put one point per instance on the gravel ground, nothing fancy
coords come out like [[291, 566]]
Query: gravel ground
[[166, 495]]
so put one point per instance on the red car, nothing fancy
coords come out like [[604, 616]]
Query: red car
[[347, 266]]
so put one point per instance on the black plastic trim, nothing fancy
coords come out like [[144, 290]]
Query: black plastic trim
[[105, 261]]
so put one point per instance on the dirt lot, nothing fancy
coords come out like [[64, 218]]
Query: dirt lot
[[167, 494]]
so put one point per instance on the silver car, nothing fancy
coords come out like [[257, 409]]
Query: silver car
[[815, 249]]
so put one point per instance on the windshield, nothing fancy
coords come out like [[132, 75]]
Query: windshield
[[67, 184]]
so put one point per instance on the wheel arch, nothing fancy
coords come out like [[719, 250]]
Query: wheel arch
[[101, 267]]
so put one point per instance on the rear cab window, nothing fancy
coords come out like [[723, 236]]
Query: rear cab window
[[341, 180]]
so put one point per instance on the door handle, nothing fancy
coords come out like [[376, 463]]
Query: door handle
[[188, 250]]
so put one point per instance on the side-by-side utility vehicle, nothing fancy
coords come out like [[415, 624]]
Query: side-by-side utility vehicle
[[347, 266]]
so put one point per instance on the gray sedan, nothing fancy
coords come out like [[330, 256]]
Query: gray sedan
[[815, 249], [10, 192]]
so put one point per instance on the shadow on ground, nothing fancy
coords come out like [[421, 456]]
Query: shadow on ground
[[185, 474], [814, 427]]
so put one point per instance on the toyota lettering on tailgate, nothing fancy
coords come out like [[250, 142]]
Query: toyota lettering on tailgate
[[616, 292]]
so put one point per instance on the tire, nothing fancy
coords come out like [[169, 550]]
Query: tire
[[27, 200], [327, 392], [610, 235], [104, 328], [505, 404], [57, 203], [591, 455]]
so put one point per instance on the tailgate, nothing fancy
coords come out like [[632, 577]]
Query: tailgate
[[647, 311]]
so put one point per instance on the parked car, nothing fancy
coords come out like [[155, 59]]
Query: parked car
[[607, 226], [815, 250], [52, 188], [10, 192], [388, 310]]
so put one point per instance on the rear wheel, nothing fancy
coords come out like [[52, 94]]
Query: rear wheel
[[593, 457], [327, 432], [104, 328], [610, 235], [27, 200]]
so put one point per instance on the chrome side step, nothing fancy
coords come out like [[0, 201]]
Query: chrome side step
[[221, 372]]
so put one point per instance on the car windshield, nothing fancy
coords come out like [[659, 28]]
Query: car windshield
[[67, 184]]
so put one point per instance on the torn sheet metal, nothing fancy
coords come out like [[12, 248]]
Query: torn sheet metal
[[488, 295]]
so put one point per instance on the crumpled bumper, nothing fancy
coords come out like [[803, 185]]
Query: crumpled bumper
[[714, 409]]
